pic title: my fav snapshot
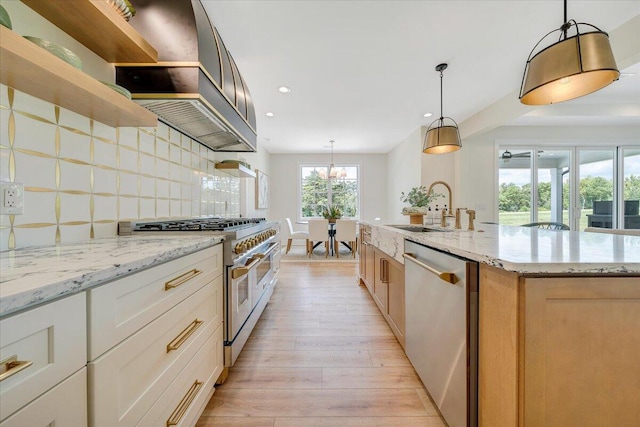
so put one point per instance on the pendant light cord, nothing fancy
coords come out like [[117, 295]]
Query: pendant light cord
[[441, 114], [565, 24]]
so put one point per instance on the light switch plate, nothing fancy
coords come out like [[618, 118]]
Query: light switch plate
[[11, 198]]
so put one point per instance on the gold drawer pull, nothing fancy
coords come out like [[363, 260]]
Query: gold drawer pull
[[11, 366], [184, 335], [174, 283], [184, 404]]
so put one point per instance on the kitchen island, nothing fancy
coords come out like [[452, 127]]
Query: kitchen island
[[559, 321]]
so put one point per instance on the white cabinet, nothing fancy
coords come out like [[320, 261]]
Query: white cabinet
[[142, 350], [185, 398], [129, 378], [50, 340], [120, 308], [146, 331], [64, 405]]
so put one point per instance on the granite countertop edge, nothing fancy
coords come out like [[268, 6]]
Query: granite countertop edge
[[33, 276], [453, 242]]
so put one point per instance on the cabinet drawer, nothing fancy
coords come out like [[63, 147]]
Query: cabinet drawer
[[63, 405], [53, 337], [120, 308], [185, 394], [127, 380]]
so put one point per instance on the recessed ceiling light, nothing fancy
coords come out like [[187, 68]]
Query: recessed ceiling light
[[284, 89], [428, 114], [269, 114]]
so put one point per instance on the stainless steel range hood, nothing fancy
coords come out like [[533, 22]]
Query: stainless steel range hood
[[196, 86]]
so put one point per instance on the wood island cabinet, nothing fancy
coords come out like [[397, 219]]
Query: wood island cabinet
[[384, 278], [558, 351], [380, 282], [367, 261]]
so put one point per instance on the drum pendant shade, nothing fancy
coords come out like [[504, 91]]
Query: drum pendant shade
[[570, 68], [443, 135]]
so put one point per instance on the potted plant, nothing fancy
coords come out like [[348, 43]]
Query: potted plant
[[418, 201], [331, 213]]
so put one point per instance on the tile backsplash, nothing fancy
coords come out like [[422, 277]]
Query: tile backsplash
[[81, 177]]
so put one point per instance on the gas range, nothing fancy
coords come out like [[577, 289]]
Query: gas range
[[251, 254], [243, 236]]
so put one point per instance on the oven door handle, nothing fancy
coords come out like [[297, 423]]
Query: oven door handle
[[272, 246], [241, 271]]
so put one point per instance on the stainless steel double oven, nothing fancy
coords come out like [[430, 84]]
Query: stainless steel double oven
[[251, 254]]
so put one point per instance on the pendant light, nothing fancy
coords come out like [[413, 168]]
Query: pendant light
[[442, 135], [333, 172], [573, 66]]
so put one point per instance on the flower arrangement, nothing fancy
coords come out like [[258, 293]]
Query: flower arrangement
[[331, 212], [418, 200]]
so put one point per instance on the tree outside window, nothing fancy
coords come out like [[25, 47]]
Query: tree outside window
[[319, 190]]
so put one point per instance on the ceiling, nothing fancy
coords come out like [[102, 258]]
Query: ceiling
[[362, 72]]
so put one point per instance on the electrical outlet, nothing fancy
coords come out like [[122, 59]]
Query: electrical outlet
[[11, 198]]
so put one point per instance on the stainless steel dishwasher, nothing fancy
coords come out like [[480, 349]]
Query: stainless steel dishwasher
[[441, 330]]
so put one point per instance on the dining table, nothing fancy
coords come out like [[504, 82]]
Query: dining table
[[332, 232]]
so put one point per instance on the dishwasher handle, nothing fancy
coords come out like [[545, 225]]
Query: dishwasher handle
[[444, 275]]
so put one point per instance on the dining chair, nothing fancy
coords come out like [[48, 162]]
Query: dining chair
[[548, 225], [296, 235], [318, 233], [345, 232]]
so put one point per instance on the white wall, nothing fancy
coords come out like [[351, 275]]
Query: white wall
[[403, 169], [408, 167], [260, 160], [284, 182]]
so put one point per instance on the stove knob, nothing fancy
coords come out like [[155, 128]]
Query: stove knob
[[238, 248]]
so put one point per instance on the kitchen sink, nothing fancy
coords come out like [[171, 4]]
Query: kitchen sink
[[418, 228]]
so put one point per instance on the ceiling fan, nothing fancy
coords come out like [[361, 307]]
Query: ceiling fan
[[524, 155]]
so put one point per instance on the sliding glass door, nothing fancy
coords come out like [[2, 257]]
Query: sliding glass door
[[596, 175], [631, 184], [576, 186], [534, 177]]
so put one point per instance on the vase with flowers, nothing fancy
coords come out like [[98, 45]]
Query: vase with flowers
[[331, 213], [418, 200]]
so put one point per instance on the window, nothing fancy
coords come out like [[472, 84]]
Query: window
[[318, 189], [578, 186]]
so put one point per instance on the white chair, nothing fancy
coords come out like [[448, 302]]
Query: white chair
[[318, 232], [345, 232], [296, 235]]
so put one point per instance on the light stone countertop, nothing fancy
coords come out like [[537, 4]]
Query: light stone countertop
[[521, 249], [31, 276]]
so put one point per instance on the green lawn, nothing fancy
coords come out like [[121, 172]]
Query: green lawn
[[519, 218]]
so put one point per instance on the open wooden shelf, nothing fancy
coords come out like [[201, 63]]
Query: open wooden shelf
[[236, 169], [31, 69], [95, 24]]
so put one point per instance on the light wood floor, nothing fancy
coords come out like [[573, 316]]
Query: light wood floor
[[322, 356]]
